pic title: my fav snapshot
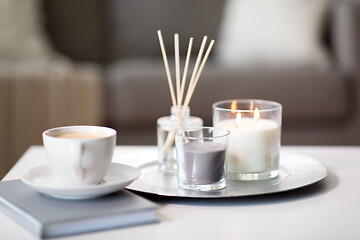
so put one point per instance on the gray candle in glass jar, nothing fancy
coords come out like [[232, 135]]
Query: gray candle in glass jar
[[202, 162]]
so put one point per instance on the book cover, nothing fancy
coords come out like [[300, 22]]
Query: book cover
[[48, 217]]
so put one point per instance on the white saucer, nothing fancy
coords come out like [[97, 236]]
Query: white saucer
[[41, 178]]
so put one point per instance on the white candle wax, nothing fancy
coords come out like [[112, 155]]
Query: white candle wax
[[254, 145]]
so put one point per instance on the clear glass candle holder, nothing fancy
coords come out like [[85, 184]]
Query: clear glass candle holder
[[201, 155], [255, 136]]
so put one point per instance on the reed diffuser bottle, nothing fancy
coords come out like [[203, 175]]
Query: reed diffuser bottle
[[166, 127], [180, 112]]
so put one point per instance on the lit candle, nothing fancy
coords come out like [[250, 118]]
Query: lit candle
[[254, 143]]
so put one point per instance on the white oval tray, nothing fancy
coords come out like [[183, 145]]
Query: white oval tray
[[295, 171]]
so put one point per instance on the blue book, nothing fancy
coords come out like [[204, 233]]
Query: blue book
[[48, 217]]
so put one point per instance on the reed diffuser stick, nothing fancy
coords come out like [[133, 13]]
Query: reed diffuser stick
[[198, 59], [177, 67], [186, 67], [167, 70]]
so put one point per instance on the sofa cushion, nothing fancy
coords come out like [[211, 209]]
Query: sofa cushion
[[22, 36], [273, 33], [138, 94]]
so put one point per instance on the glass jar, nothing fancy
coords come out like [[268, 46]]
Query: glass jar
[[166, 127], [255, 137]]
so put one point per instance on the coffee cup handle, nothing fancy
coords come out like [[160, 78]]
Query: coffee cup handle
[[79, 171]]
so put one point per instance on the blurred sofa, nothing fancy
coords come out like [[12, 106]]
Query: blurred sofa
[[40, 88], [320, 106], [114, 75]]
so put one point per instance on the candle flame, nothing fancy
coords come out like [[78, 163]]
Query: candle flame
[[238, 119], [233, 106], [256, 114]]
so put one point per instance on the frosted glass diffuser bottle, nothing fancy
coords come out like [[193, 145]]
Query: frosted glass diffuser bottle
[[165, 136]]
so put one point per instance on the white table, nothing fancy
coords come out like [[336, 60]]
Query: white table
[[327, 210]]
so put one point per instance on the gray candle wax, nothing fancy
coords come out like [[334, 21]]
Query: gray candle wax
[[201, 162]]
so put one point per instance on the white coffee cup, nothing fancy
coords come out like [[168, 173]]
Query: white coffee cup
[[79, 155]]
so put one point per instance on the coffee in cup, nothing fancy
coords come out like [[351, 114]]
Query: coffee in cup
[[83, 135], [79, 155]]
